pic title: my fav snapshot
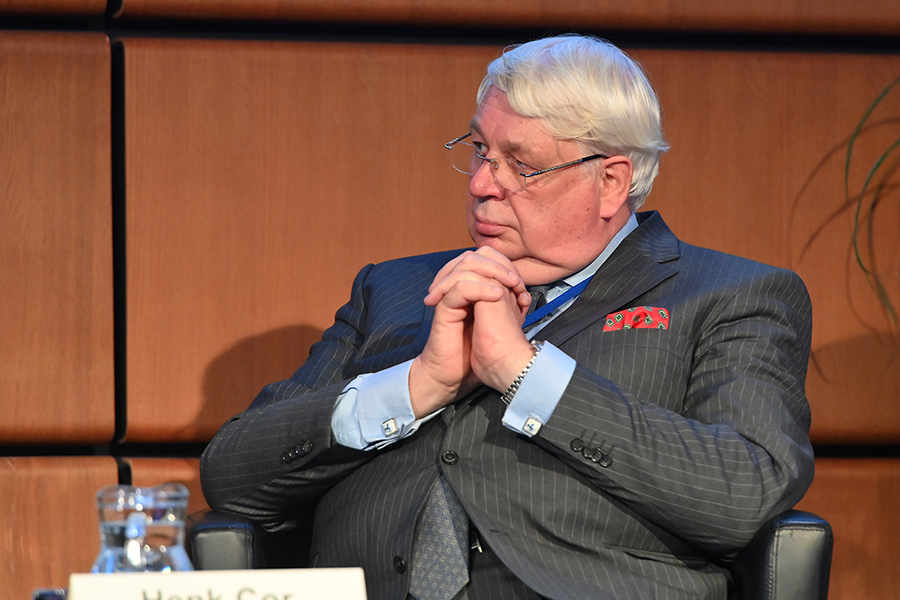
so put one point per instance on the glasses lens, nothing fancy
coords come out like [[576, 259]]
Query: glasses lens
[[463, 158], [507, 174], [466, 160]]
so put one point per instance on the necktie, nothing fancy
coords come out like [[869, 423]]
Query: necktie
[[440, 565], [539, 299], [538, 295]]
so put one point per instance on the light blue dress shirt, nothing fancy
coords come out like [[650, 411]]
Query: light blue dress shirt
[[374, 410]]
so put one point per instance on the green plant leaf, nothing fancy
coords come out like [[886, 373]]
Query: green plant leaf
[[874, 279]]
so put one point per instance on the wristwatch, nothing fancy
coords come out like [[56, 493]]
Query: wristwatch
[[514, 386]]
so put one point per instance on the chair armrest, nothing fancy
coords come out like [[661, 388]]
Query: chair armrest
[[224, 541], [219, 540], [789, 558]]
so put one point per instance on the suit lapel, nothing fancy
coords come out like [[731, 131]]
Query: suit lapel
[[644, 259]]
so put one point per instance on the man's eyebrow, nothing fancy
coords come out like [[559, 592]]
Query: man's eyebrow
[[507, 146], [473, 126]]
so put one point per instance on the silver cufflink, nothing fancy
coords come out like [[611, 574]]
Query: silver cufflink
[[532, 426], [389, 427]]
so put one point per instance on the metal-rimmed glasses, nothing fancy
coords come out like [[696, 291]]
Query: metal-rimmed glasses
[[508, 172]]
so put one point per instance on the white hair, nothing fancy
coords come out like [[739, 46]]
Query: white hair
[[586, 90]]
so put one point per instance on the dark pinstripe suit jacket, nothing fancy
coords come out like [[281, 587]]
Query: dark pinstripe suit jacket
[[667, 451]]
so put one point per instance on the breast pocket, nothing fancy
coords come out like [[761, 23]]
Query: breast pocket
[[652, 364]]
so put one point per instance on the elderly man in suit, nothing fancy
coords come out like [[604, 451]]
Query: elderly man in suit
[[623, 440]]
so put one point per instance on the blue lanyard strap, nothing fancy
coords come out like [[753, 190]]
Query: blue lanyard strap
[[546, 309]]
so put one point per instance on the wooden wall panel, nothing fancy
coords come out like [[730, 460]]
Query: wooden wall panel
[[858, 497], [155, 471], [53, 7], [849, 16], [56, 383], [261, 177], [255, 168], [49, 519]]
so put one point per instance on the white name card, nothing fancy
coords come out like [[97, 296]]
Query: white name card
[[262, 584]]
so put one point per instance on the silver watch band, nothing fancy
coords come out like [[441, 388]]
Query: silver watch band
[[514, 386]]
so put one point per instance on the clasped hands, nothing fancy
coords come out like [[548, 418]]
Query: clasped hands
[[480, 302]]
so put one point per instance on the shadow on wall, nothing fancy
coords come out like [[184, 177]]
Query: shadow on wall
[[233, 378], [853, 389]]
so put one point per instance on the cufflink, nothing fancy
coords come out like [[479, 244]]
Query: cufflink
[[389, 427], [532, 426]]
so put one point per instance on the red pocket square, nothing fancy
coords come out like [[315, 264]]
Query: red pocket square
[[638, 317]]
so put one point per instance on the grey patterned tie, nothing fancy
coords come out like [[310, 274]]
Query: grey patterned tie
[[538, 299], [538, 295], [440, 565]]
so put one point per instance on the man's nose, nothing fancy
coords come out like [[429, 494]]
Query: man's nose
[[482, 182]]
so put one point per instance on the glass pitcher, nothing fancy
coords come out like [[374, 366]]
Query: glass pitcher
[[142, 529]]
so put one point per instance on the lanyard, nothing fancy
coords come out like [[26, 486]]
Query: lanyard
[[546, 309]]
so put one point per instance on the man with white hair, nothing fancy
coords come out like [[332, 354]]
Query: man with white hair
[[582, 406]]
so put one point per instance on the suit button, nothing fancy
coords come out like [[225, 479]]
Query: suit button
[[601, 458], [449, 457], [297, 452], [399, 564]]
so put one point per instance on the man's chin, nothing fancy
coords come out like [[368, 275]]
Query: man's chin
[[482, 241]]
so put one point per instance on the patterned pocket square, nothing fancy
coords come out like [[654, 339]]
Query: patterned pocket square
[[638, 317]]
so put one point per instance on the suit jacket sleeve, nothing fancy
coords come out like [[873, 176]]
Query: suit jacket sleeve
[[277, 458], [702, 429]]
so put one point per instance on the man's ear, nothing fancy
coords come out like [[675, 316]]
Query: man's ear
[[617, 175]]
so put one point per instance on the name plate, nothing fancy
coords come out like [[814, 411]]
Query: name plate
[[262, 584]]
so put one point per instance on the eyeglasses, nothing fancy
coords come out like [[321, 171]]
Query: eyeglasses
[[508, 172]]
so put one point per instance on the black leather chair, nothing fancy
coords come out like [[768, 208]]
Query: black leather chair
[[788, 559]]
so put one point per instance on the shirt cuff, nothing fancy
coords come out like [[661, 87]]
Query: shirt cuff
[[374, 410], [540, 392]]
